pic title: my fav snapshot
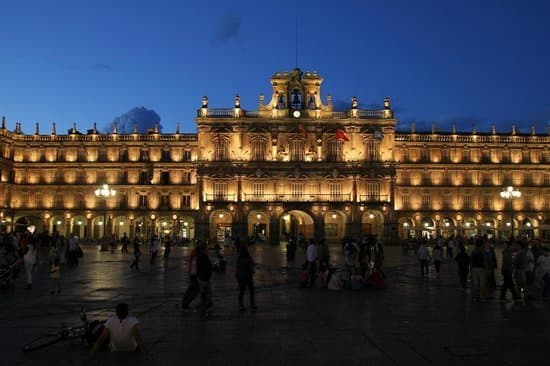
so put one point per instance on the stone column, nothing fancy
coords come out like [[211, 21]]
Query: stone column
[[274, 238]]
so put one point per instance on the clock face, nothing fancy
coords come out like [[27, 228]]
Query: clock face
[[296, 114]]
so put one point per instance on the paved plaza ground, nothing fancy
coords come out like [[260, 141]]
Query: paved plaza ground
[[412, 322]]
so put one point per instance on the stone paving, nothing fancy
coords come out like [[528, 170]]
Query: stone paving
[[412, 322]]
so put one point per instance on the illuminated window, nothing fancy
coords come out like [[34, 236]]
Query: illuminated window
[[258, 149], [187, 155], [143, 201], [467, 202], [258, 189], [426, 201], [334, 150], [372, 150], [185, 201], [335, 191], [406, 201], [221, 150], [297, 190], [296, 150], [373, 191], [220, 190]]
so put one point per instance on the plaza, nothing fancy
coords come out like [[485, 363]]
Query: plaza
[[412, 322]]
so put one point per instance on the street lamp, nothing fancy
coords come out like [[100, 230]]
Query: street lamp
[[104, 192], [509, 194]]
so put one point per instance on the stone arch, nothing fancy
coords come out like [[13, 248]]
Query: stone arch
[[372, 222], [79, 226], [220, 225], [405, 228], [185, 228], [427, 227], [469, 227], [295, 223], [22, 223], [335, 222], [258, 225], [121, 225], [143, 227]]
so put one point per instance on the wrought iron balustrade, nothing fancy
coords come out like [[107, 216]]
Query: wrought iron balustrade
[[220, 197]]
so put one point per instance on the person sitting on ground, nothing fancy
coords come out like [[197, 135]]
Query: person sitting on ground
[[123, 332]]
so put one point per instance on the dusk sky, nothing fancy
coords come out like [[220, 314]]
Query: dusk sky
[[472, 62]]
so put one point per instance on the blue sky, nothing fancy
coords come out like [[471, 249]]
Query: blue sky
[[472, 62]]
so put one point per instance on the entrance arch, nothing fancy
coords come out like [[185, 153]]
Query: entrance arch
[[258, 225], [335, 225], [372, 222], [186, 228], [428, 228], [79, 227], [406, 228], [220, 225], [294, 223]]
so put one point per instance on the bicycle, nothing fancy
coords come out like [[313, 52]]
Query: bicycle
[[87, 332]]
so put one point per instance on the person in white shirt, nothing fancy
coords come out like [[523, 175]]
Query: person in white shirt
[[29, 258], [311, 261], [423, 255], [123, 332]]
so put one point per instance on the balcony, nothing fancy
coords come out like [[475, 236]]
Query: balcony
[[374, 198], [221, 197], [297, 197]]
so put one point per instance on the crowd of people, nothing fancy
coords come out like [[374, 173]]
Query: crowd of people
[[525, 265]]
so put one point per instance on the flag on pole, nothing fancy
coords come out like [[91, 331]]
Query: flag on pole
[[341, 136]]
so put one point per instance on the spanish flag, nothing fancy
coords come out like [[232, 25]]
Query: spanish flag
[[341, 136]]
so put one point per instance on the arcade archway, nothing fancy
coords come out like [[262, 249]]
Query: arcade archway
[[220, 225], [372, 222], [335, 225], [296, 224], [258, 226]]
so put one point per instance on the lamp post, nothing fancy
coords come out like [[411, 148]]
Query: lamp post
[[509, 194], [104, 192]]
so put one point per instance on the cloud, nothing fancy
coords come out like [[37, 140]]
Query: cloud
[[103, 67], [140, 117], [227, 28]]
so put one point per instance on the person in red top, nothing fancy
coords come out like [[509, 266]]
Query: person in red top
[[193, 287]]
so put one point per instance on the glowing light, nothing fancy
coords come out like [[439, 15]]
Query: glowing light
[[467, 224], [488, 224], [405, 224], [79, 222], [185, 223], [120, 223], [528, 224], [334, 216], [447, 224], [371, 216], [221, 216], [426, 224], [58, 222], [258, 216]]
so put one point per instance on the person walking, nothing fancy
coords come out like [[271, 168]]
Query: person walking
[[29, 258], [167, 247], [479, 265], [450, 247], [137, 254], [437, 257], [543, 272], [463, 262], [423, 255], [124, 241], [507, 270], [193, 286], [244, 275], [291, 248], [55, 277], [155, 246], [311, 260], [323, 253], [204, 273]]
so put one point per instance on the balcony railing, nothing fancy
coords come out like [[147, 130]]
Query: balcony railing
[[373, 198], [221, 197], [346, 197]]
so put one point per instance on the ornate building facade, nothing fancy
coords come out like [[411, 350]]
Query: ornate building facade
[[293, 166]]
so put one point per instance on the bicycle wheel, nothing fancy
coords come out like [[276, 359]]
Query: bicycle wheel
[[44, 341]]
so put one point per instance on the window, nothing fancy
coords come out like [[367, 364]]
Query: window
[[186, 177], [296, 150], [164, 201], [185, 201], [258, 189], [220, 191], [144, 155], [467, 202], [142, 200], [221, 150], [165, 178], [165, 155], [258, 149], [297, 190], [334, 150], [335, 190], [426, 201], [372, 150], [487, 203], [187, 155], [405, 201], [144, 178], [373, 191]]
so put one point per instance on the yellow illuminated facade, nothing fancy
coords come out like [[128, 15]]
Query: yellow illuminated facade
[[293, 166]]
